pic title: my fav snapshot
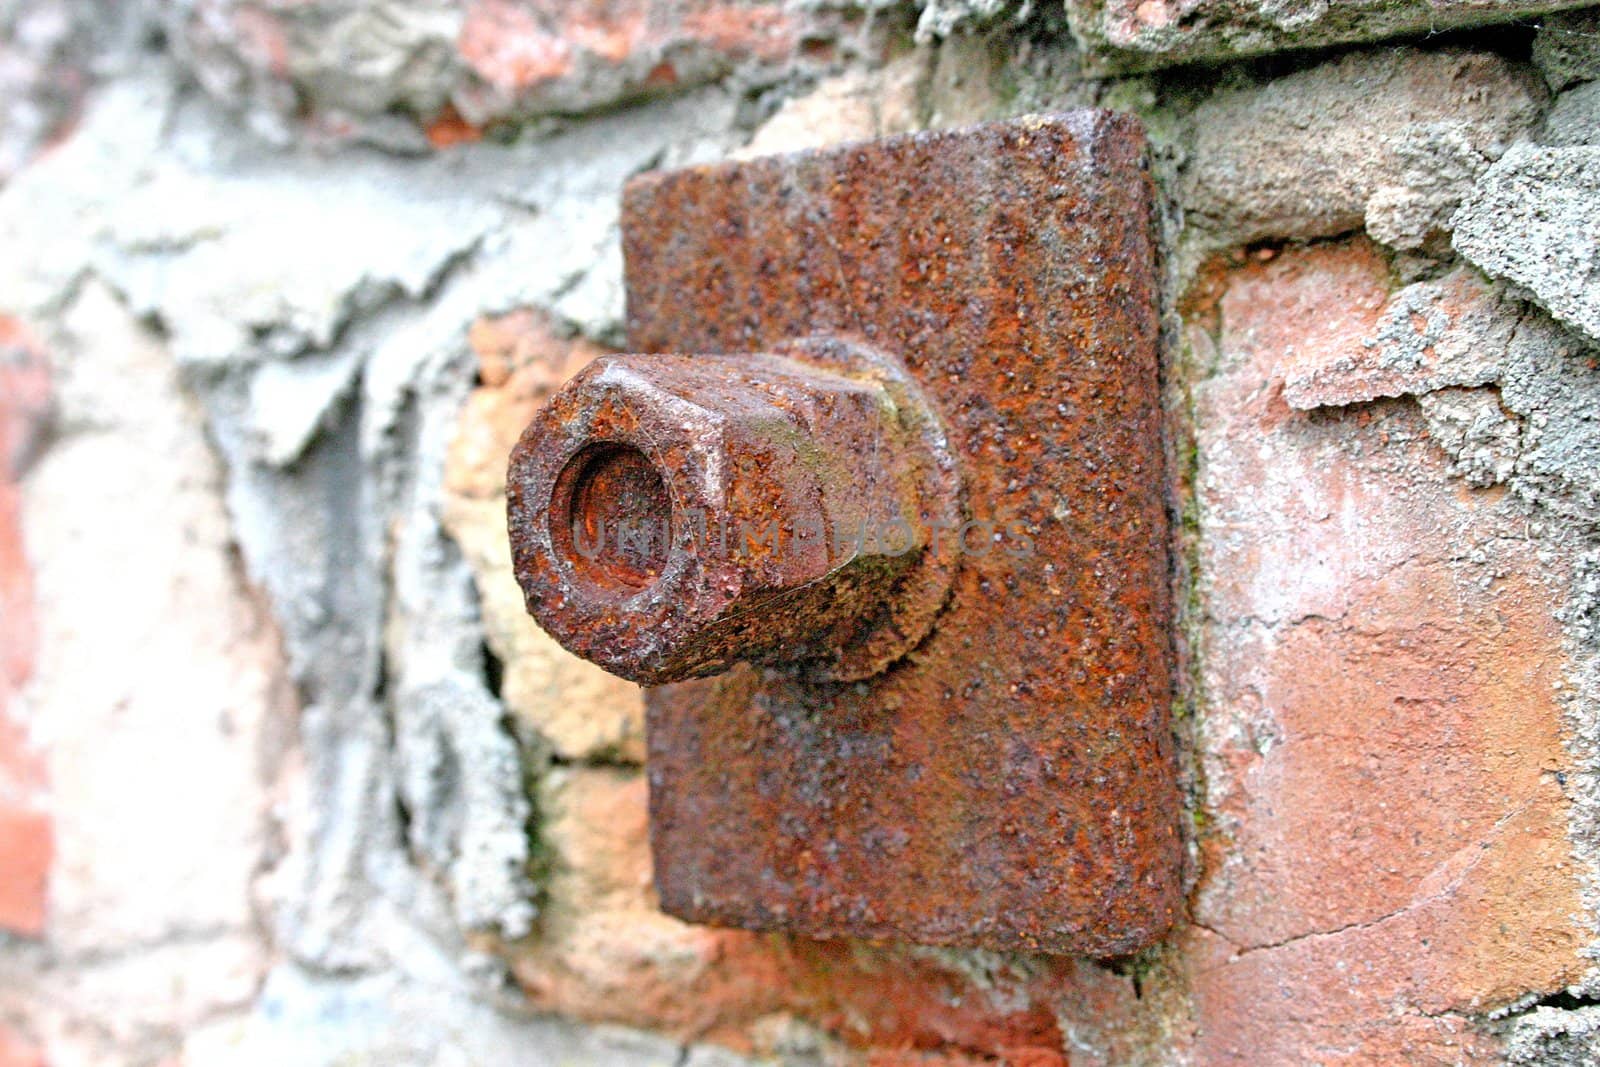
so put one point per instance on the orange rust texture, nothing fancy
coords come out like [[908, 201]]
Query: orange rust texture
[[1384, 852], [1009, 785], [606, 953]]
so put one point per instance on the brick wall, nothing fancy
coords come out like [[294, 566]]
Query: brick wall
[[286, 774]]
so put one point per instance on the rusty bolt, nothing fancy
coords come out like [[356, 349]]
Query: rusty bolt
[[671, 515]]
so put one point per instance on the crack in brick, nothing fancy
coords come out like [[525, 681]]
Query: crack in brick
[[1479, 848]]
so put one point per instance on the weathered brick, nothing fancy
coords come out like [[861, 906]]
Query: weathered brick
[[517, 45], [17, 638], [355, 65], [159, 686], [849, 107], [506, 45], [1387, 139], [27, 841], [16, 1051], [1387, 849], [522, 359], [1426, 336], [27, 847], [1141, 34]]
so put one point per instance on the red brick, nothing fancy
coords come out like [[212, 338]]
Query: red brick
[[523, 44], [26, 835], [17, 1052], [22, 769], [507, 46], [1424, 337], [16, 597], [1387, 852], [27, 848], [763, 31]]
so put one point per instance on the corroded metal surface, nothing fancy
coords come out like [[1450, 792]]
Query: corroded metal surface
[[672, 515], [1006, 781]]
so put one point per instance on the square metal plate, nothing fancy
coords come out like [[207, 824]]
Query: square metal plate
[[1009, 784]]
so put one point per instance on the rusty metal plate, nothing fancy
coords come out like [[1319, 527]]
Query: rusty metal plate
[[1010, 782]]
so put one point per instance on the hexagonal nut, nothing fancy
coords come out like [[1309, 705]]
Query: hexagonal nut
[[672, 515]]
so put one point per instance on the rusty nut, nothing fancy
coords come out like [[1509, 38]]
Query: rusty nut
[[672, 515]]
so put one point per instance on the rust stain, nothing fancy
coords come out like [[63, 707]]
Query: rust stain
[[449, 129], [1002, 775]]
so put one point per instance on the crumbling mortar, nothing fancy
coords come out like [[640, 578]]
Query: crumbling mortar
[[1259, 35], [1580, 704], [54, 958], [1001, 976], [1193, 618], [1182, 461]]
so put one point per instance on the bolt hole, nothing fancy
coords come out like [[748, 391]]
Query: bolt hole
[[613, 520]]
